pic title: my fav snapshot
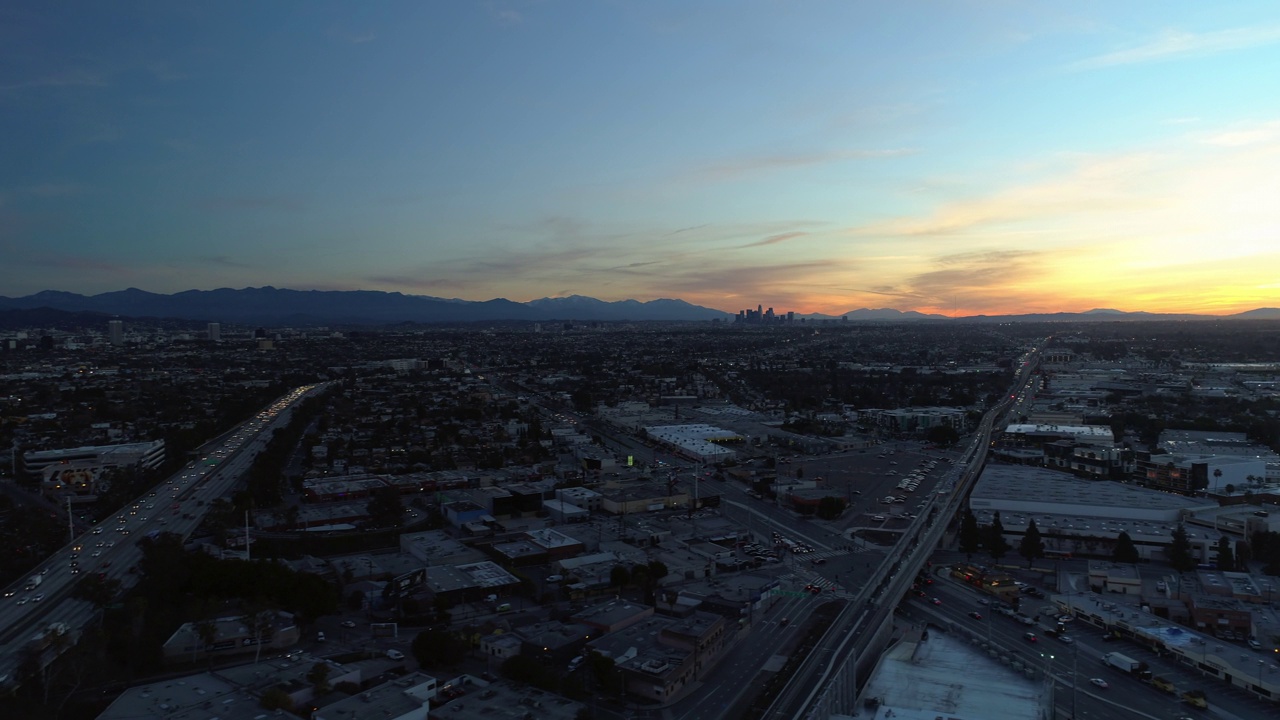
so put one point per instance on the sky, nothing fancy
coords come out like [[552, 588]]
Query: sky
[[958, 157]]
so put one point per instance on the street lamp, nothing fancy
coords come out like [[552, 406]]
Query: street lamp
[[1048, 674]]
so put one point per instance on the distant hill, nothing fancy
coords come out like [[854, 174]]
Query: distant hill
[[276, 306], [878, 314]]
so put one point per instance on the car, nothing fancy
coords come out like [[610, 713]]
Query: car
[[983, 601], [348, 623], [392, 654], [320, 636], [37, 598], [783, 621], [820, 561], [975, 615], [1029, 637], [936, 601], [1099, 682], [554, 578], [1064, 619]]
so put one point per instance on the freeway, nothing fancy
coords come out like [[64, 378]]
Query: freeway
[[1074, 665], [110, 549], [816, 688]]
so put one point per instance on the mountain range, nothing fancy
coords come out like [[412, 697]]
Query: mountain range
[[278, 306]]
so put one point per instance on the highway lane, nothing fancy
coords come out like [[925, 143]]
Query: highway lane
[[110, 547], [899, 567]]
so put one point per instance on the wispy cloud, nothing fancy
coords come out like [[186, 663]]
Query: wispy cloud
[[1245, 135], [165, 72], [730, 169], [82, 262], [53, 190], [980, 281], [682, 230], [352, 37], [505, 15], [222, 261], [66, 78], [775, 239], [1173, 44], [239, 203]]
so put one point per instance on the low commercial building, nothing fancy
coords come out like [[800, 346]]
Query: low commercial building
[[698, 441], [612, 615], [660, 658], [219, 637], [346, 487], [500, 700], [437, 547], [564, 513], [405, 698], [1078, 517]]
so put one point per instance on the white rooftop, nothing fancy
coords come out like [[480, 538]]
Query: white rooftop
[[945, 677]]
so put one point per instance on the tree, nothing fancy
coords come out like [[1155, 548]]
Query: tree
[[640, 576], [1243, 555], [1226, 559], [657, 570], [261, 621], [439, 649], [970, 534], [1032, 547], [1180, 551], [528, 670], [319, 677], [386, 508], [829, 508], [207, 631], [276, 698], [942, 435], [1231, 489], [1125, 551], [99, 591], [619, 576], [996, 545]]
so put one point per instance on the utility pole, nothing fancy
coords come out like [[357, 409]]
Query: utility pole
[[71, 522]]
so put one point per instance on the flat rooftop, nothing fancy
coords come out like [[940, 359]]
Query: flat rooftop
[[1004, 483], [943, 677]]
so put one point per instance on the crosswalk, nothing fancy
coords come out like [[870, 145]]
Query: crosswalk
[[829, 587], [834, 552]]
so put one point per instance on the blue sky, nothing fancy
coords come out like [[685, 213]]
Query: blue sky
[[966, 157]]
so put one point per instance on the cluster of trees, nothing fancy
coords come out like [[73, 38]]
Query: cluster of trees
[[266, 475], [975, 537], [1265, 547], [645, 577], [990, 538], [173, 575]]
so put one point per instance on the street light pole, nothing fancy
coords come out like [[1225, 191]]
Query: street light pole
[[1048, 674], [1075, 678]]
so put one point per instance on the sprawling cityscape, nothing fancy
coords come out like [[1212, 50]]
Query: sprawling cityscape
[[639, 360], [641, 520]]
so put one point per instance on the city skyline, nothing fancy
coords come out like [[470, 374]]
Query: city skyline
[[960, 159]]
